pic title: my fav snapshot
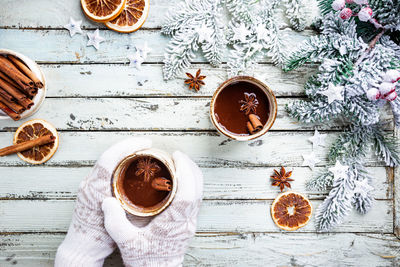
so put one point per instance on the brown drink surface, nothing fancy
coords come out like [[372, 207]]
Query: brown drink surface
[[227, 107], [139, 191]]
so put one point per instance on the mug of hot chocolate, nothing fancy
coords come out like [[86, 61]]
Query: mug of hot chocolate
[[243, 108], [145, 182]]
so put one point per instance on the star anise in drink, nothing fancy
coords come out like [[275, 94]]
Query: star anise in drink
[[147, 168], [281, 178], [195, 81], [249, 104]]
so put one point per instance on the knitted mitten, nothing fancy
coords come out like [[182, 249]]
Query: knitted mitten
[[87, 242], [164, 240]]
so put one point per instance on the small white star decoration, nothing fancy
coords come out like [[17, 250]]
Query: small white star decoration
[[317, 139], [144, 50], [310, 160], [74, 26], [333, 93], [204, 33], [339, 170], [136, 60], [262, 32], [95, 39], [362, 188], [241, 33]]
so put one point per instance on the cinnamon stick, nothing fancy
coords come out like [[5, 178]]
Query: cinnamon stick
[[14, 106], [26, 71], [7, 79], [7, 67], [43, 140], [6, 95], [12, 114], [161, 184], [20, 97], [254, 124]]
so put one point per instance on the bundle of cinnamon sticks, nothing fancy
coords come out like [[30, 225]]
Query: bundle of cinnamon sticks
[[18, 86]]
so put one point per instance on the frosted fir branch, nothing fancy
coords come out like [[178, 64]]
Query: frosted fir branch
[[321, 182], [386, 147], [183, 24], [351, 144], [179, 53], [181, 17], [316, 110], [395, 104], [361, 110], [243, 58], [214, 51], [242, 10], [275, 46], [337, 204], [362, 202], [295, 12]]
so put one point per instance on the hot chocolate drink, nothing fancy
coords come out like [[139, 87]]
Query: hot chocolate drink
[[242, 108], [146, 182]]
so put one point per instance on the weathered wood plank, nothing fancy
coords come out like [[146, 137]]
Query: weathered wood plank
[[215, 216], [120, 80], [55, 14], [57, 46], [219, 183], [289, 249], [207, 149], [148, 114]]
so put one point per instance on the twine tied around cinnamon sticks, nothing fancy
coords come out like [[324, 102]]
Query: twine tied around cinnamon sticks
[[18, 86]]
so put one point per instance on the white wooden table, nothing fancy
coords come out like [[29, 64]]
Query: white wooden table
[[95, 101]]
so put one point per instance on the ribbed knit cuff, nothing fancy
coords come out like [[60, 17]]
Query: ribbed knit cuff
[[77, 251], [155, 262]]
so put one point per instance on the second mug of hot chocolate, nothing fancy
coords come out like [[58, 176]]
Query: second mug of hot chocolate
[[145, 182], [243, 108]]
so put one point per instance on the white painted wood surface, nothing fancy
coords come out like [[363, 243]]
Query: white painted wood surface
[[95, 100]]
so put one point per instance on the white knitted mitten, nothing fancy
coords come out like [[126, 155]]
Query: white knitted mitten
[[87, 242], [164, 240]]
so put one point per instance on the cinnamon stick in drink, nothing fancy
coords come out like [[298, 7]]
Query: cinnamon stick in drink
[[161, 184], [26, 71], [254, 124], [12, 105], [43, 140], [7, 67], [20, 97], [11, 113]]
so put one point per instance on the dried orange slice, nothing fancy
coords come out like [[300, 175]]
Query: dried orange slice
[[131, 18], [291, 211], [34, 129], [102, 10]]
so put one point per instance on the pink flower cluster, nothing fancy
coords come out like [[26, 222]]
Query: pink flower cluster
[[387, 89], [365, 13]]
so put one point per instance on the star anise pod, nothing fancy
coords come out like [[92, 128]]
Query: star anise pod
[[281, 178], [195, 82], [147, 168], [249, 104]]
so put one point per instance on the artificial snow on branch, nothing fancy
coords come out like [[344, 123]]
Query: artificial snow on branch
[[359, 55], [251, 34]]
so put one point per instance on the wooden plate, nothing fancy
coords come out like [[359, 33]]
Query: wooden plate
[[41, 95]]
